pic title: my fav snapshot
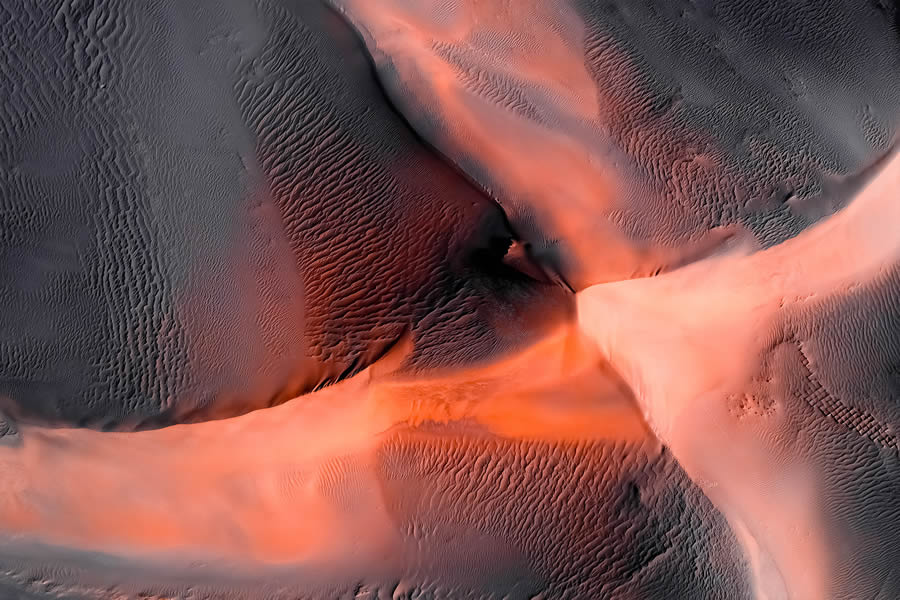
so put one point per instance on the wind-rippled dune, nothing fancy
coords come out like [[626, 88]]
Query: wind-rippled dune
[[492, 483], [774, 385], [231, 214], [359, 299], [627, 137]]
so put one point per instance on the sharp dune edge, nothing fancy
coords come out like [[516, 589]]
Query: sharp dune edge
[[501, 78], [326, 256]]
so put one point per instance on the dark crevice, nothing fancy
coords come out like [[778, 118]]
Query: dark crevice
[[523, 260]]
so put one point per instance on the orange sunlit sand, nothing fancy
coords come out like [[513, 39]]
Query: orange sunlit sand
[[268, 486]]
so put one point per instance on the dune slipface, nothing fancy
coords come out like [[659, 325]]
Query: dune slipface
[[359, 299]]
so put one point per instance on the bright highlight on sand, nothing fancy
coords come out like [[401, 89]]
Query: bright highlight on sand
[[689, 343]]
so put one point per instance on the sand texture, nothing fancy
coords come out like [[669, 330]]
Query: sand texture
[[463, 299]]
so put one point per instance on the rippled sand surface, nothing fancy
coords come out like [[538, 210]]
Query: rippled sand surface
[[449, 299]]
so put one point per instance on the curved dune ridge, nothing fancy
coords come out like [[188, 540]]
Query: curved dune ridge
[[449, 299], [727, 373], [653, 130], [481, 483], [235, 215]]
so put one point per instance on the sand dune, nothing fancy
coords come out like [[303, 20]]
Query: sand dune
[[449, 299], [479, 482], [240, 217], [730, 364], [653, 130]]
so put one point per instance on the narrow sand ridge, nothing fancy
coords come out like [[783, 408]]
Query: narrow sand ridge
[[324, 484], [643, 132], [707, 351]]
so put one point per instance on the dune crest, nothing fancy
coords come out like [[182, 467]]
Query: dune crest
[[692, 344], [290, 481]]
